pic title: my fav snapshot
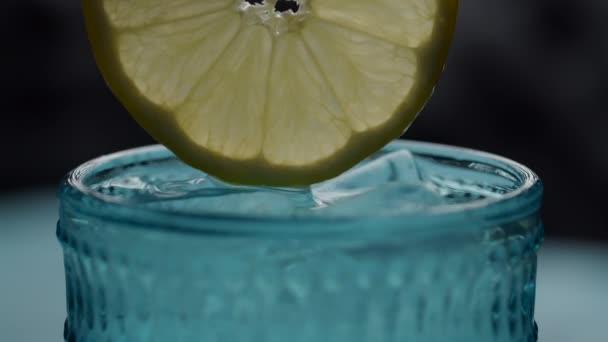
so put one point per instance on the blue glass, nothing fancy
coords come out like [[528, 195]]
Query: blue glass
[[420, 242]]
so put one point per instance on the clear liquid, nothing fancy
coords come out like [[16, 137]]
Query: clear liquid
[[390, 182]]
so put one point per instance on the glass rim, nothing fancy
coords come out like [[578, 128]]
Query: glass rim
[[519, 203]]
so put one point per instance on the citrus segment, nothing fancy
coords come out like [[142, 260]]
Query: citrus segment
[[407, 23], [166, 61], [225, 109], [304, 120], [370, 77], [124, 14]]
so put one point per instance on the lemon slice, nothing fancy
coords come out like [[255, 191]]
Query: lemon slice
[[272, 92]]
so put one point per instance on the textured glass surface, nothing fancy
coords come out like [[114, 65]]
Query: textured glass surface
[[420, 243]]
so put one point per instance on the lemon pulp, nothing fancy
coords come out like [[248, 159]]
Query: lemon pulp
[[272, 92]]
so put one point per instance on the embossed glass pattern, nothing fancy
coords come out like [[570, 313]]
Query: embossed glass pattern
[[420, 243]]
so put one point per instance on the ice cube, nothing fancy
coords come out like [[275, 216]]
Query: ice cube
[[388, 198], [392, 167], [227, 199]]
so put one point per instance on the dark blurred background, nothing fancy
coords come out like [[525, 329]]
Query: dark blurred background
[[525, 79]]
